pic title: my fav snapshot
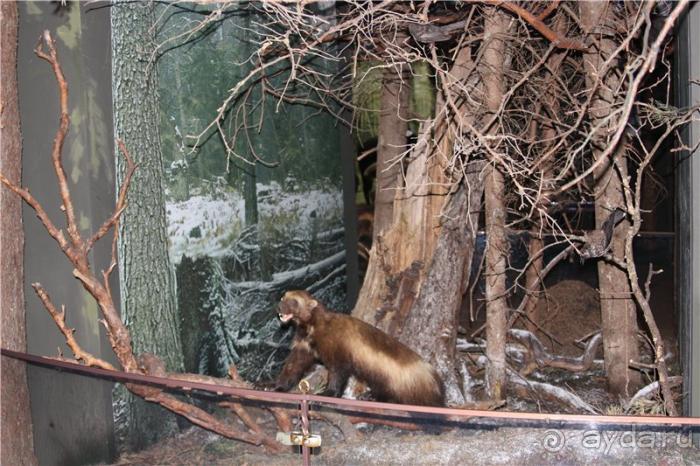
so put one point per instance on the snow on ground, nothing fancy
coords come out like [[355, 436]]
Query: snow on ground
[[472, 444], [207, 226], [196, 226]]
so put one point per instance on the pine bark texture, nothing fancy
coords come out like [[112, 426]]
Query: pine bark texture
[[16, 438], [497, 247], [145, 272], [618, 310]]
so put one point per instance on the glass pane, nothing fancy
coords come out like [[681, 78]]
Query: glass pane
[[244, 228]]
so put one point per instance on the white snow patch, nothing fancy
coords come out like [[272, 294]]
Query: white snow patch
[[201, 225], [204, 225]]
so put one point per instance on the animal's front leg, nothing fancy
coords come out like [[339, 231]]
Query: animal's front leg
[[299, 361]]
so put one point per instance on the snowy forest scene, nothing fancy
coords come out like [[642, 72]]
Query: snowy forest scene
[[242, 233], [350, 232]]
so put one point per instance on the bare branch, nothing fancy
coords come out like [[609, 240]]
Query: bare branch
[[57, 151], [537, 23], [113, 220], [60, 319]]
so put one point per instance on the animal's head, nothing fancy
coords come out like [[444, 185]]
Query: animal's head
[[297, 306]]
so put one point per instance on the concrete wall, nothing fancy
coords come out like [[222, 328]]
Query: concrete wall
[[72, 414], [688, 215]]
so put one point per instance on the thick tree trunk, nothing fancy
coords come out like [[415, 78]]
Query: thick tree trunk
[[146, 276], [400, 255], [449, 240], [618, 310], [419, 266], [393, 124], [435, 314], [497, 248], [15, 417]]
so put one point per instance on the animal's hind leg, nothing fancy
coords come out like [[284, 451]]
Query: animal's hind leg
[[336, 383]]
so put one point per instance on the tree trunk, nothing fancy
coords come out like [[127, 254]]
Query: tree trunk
[[191, 276], [448, 240], [146, 276], [401, 294], [497, 248], [435, 314], [399, 255], [15, 417], [393, 125], [535, 246], [533, 287], [250, 194], [618, 311]]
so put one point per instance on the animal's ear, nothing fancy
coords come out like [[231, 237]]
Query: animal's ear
[[313, 304]]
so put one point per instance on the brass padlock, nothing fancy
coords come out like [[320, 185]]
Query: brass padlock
[[299, 439]]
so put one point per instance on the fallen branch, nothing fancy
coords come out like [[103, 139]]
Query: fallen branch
[[281, 416], [60, 319], [524, 388], [651, 390], [198, 416], [538, 356]]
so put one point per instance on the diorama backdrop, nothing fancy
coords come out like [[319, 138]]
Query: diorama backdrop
[[242, 231]]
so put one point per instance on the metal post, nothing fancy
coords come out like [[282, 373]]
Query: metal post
[[305, 450]]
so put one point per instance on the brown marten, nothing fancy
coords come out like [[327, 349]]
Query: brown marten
[[348, 346]]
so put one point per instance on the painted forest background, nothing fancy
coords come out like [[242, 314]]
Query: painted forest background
[[244, 228]]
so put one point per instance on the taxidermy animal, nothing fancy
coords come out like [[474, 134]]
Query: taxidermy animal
[[348, 346], [597, 242]]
